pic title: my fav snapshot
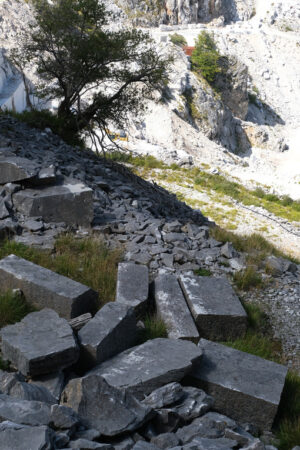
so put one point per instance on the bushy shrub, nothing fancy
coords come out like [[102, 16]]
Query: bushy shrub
[[205, 57], [178, 39]]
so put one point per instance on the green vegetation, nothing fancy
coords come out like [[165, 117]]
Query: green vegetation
[[87, 261], [178, 39], [74, 54], [205, 57], [13, 308], [247, 279], [154, 328], [202, 272]]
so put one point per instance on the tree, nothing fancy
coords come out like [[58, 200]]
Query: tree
[[178, 39], [98, 75], [205, 57]]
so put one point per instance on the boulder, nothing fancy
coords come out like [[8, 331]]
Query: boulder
[[41, 343], [24, 412], [19, 438], [244, 386], [45, 288], [171, 307], [70, 202], [144, 368], [13, 168], [215, 307], [133, 285], [112, 330], [109, 410]]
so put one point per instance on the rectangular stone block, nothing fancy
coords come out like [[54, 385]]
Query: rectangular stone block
[[133, 285], [16, 169], [68, 202], [44, 288], [171, 307], [244, 387], [217, 311]]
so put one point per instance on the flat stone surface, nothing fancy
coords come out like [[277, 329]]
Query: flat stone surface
[[44, 288], [24, 411], [146, 367], [70, 202], [100, 406], [41, 343], [112, 330], [171, 307], [30, 438], [217, 311], [17, 169], [133, 285], [244, 387]]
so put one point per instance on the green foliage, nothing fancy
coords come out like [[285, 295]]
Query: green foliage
[[13, 308], [205, 57], [202, 272], [75, 54], [87, 261], [178, 39], [4, 365], [287, 422], [154, 328], [247, 279], [252, 98]]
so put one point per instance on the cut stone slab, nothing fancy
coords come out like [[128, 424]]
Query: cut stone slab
[[171, 307], [100, 406], [19, 438], [17, 169], [44, 288], [41, 343], [244, 387], [146, 367], [112, 330], [133, 285], [217, 311], [69, 202]]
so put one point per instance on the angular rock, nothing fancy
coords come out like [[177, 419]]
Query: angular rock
[[20, 438], [201, 443], [63, 418], [69, 202], [84, 444], [4, 213], [41, 343], [133, 285], [171, 307], [53, 383], [194, 403], [146, 367], [143, 445], [112, 330], [215, 307], [78, 322], [244, 386], [165, 440], [109, 410], [16, 169], [164, 396], [44, 288], [24, 411]]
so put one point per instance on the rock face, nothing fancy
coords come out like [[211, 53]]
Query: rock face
[[133, 285], [109, 410], [69, 203], [216, 309], [18, 437], [149, 366], [44, 288], [173, 310], [112, 330], [41, 343], [245, 387]]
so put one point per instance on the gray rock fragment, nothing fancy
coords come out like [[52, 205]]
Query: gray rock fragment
[[17, 169], [24, 411], [146, 367], [63, 418], [165, 440], [41, 343], [84, 444], [171, 307], [33, 438], [53, 382], [244, 386], [44, 288], [133, 285], [216, 309], [164, 396], [119, 412], [112, 330]]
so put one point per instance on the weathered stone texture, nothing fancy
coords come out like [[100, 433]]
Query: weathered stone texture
[[133, 285]]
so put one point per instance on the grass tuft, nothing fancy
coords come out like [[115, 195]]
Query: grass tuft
[[202, 272], [154, 328], [247, 279], [13, 308]]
